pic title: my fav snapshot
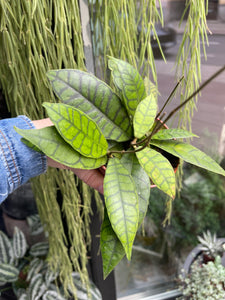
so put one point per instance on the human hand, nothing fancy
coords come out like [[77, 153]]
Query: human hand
[[94, 178]]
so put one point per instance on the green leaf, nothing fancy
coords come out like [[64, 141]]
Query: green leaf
[[95, 98], [111, 248], [6, 250], [19, 243], [77, 129], [158, 169], [34, 267], [8, 273], [129, 82], [39, 249], [122, 203], [52, 144], [52, 295], [144, 116], [173, 133], [189, 154], [36, 287], [141, 181]]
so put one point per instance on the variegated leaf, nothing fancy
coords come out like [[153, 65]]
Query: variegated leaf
[[144, 116], [52, 295], [34, 267], [158, 169], [111, 248], [19, 243], [39, 249], [6, 250], [95, 98], [50, 276], [36, 287], [189, 154], [77, 129], [121, 201], [52, 144], [82, 291], [23, 297], [129, 82], [34, 224], [141, 180], [173, 133], [8, 273]]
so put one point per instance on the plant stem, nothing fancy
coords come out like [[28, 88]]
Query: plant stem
[[170, 96]]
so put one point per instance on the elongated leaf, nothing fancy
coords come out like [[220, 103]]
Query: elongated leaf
[[34, 267], [121, 202], [95, 98], [82, 292], [77, 129], [6, 250], [19, 243], [141, 180], [39, 249], [36, 288], [158, 169], [52, 295], [129, 82], [52, 144], [169, 134], [111, 248], [8, 273], [190, 154], [144, 116]]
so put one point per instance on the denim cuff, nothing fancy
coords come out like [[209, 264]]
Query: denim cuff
[[18, 162]]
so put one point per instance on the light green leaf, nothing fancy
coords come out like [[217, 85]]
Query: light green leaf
[[111, 248], [52, 144], [77, 129], [19, 243], [141, 180], [129, 82], [95, 98], [189, 154], [122, 203], [169, 134], [144, 116], [158, 169]]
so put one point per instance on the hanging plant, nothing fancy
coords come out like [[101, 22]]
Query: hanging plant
[[96, 126]]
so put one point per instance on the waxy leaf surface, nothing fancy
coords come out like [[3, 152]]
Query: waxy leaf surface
[[144, 116], [129, 82], [158, 169], [49, 141], [111, 248], [77, 129], [141, 180], [121, 201], [172, 133], [95, 98], [189, 154]]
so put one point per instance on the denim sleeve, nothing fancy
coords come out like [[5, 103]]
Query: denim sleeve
[[18, 163]]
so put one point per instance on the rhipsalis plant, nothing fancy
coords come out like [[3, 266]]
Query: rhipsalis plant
[[96, 126]]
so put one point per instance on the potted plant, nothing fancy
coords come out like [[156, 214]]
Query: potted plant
[[26, 274], [203, 273], [118, 128]]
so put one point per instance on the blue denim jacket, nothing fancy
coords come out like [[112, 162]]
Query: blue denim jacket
[[18, 163]]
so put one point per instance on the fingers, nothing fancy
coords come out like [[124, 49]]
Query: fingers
[[94, 178]]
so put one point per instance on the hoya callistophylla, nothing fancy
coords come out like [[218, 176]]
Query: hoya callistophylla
[[95, 126]]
